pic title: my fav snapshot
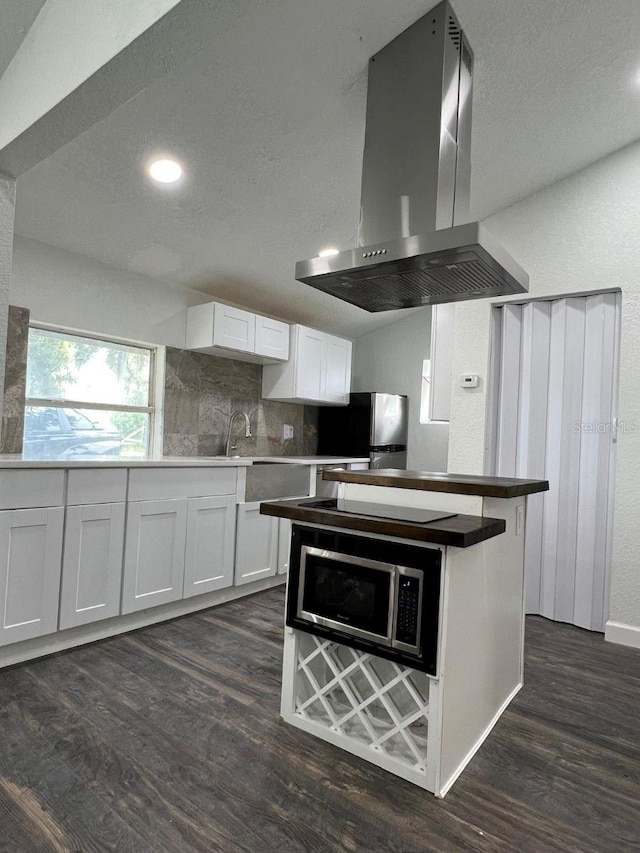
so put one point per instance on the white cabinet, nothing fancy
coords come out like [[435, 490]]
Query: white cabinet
[[256, 544], [318, 370], [338, 370], [182, 543], [272, 338], [91, 564], [31, 542], [154, 553], [234, 328], [310, 364], [235, 333], [210, 544], [284, 545]]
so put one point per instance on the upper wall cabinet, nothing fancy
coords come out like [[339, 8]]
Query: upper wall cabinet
[[318, 370], [234, 333]]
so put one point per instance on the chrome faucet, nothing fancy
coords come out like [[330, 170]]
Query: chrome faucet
[[247, 431]]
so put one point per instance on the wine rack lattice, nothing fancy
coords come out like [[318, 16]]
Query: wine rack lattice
[[368, 699]]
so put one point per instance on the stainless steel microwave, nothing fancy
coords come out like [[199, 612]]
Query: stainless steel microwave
[[372, 594]]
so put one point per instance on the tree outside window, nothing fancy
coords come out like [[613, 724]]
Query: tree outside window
[[86, 397]]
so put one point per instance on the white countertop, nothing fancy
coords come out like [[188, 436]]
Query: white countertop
[[11, 461]]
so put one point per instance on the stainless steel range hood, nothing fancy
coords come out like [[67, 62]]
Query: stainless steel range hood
[[415, 243]]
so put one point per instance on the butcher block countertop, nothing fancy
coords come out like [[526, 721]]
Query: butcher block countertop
[[459, 484], [459, 531]]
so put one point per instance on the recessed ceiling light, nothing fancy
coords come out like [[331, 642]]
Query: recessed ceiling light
[[326, 253], [165, 171]]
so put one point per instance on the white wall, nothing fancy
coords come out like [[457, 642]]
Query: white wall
[[74, 291], [390, 360], [580, 234], [67, 43]]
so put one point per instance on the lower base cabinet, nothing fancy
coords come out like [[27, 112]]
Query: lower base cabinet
[[177, 549], [31, 542], [154, 557], [91, 564], [256, 544], [210, 544]]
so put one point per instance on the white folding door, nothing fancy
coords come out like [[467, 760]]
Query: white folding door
[[554, 379]]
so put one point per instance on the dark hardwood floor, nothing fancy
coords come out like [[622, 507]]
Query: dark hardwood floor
[[169, 739]]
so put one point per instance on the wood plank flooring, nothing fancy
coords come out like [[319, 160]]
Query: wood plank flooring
[[169, 739]]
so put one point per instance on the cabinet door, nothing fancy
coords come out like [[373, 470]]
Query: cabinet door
[[154, 553], [311, 347], [272, 338], [338, 374], [256, 544], [234, 328], [91, 564], [31, 548], [210, 545], [284, 545]]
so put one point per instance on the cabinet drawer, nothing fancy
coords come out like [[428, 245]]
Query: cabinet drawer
[[96, 486], [146, 484], [30, 489]]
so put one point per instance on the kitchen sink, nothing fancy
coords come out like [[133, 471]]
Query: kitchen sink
[[269, 480]]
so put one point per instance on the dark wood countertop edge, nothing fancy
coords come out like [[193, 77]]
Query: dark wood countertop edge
[[492, 487], [436, 533]]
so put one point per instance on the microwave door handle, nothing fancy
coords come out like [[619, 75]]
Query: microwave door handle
[[391, 619]]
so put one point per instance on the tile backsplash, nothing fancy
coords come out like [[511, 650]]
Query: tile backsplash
[[15, 380], [202, 391]]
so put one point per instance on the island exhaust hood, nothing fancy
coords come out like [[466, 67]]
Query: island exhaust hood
[[415, 244]]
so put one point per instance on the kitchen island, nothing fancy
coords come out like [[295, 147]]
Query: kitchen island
[[423, 722], [93, 548]]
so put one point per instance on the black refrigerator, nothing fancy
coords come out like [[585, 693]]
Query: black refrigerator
[[372, 424]]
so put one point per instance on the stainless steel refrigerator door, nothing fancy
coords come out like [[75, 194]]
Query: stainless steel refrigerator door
[[384, 459], [388, 419]]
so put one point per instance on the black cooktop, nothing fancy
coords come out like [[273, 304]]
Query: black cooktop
[[397, 513]]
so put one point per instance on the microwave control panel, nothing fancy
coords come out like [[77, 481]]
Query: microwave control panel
[[408, 610]]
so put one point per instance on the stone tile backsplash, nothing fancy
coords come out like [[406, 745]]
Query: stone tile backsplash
[[15, 380], [201, 393]]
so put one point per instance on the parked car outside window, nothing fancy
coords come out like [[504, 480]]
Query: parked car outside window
[[57, 433], [87, 397]]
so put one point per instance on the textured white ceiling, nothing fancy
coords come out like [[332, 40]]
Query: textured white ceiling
[[16, 16], [270, 125]]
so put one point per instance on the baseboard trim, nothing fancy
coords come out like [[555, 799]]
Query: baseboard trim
[[623, 635], [71, 637]]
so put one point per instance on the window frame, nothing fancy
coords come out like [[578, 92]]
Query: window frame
[[65, 403]]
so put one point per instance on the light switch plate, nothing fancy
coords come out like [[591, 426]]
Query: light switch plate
[[287, 432]]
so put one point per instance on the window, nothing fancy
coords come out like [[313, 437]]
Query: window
[[86, 398]]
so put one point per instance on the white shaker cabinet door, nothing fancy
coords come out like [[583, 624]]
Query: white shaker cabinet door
[[91, 564], [210, 544], [338, 373], [154, 553], [30, 561], [256, 544], [272, 338], [234, 328], [284, 545], [311, 364]]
